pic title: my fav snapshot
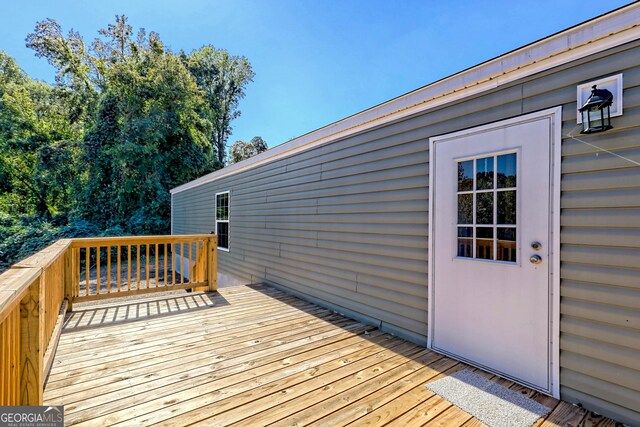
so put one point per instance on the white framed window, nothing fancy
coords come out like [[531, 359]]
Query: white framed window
[[222, 220], [487, 207]]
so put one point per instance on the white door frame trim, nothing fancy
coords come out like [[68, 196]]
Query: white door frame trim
[[555, 115]]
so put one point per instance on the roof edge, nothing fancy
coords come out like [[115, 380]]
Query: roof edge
[[603, 32]]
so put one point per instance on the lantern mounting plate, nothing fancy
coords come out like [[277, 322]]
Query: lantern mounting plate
[[612, 83]]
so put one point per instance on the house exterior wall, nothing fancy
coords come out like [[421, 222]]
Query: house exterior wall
[[346, 224]]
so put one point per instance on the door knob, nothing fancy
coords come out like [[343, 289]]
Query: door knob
[[535, 259]]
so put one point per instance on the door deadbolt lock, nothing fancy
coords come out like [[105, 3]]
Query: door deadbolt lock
[[535, 259], [536, 246]]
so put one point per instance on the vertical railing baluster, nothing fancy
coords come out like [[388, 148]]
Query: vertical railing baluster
[[98, 270], [199, 258], [118, 266], [76, 277], [157, 265], [108, 269], [148, 270], [6, 340], [87, 250], [173, 264], [193, 266], [189, 262], [166, 270], [183, 255], [201, 276], [138, 266], [128, 267], [193, 274]]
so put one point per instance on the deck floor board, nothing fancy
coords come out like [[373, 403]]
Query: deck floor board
[[249, 355]]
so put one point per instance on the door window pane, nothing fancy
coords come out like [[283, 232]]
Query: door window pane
[[506, 244], [465, 208], [465, 176], [484, 208], [507, 170], [484, 173], [506, 207], [484, 232], [465, 242], [484, 243]]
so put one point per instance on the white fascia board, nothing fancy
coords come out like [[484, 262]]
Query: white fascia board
[[602, 33]]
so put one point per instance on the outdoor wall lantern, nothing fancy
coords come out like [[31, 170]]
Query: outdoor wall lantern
[[596, 112]]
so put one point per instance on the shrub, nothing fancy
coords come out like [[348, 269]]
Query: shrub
[[23, 236]]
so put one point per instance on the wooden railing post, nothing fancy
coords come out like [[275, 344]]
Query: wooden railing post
[[199, 271], [212, 263], [68, 275], [31, 343], [20, 332]]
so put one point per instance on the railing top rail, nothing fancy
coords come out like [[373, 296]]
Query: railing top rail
[[14, 283], [136, 240], [45, 257]]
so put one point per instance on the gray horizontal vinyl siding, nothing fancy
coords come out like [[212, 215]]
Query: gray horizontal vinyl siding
[[346, 224]]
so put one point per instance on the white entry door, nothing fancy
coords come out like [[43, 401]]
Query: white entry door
[[492, 250]]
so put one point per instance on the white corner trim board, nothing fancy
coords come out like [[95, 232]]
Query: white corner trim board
[[605, 32]]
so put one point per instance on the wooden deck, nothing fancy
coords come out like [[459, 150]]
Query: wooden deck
[[250, 355]]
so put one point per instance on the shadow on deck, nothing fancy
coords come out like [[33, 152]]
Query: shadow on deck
[[250, 355], [120, 310]]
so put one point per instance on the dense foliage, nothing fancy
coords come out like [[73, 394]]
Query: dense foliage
[[97, 152], [241, 150]]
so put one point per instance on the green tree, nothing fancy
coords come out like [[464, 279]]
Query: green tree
[[148, 123], [150, 133], [97, 151], [38, 146], [76, 69], [223, 78], [242, 150]]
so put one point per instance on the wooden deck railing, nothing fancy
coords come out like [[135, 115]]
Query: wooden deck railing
[[36, 292], [104, 267]]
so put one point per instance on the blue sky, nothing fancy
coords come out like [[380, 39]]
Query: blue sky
[[316, 61]]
